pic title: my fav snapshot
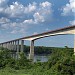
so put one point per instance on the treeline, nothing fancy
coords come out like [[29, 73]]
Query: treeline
[[38, 49], [44, 50]]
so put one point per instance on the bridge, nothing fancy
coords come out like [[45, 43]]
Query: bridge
[[16, 43]]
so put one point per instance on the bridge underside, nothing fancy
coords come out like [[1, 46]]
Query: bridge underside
[[32, 39], [68, 32], [16, 44]]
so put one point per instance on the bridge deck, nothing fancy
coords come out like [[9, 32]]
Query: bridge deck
[[52, 31]]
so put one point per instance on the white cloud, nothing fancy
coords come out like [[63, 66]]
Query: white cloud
[[3, 5], [36, 13], [69, 8], [30, 21], [72, 22], [46, 4], [30, 8], [38, 18], [4, 20], [3, 2], [15, 10], [19, 10]]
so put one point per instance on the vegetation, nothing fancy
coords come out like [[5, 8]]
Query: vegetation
[[61, 62]]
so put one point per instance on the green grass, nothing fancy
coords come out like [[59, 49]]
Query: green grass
[[9, 71]]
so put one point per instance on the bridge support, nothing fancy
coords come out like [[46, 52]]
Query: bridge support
[[22, 45], [31, 55], [2, 45], [12, 48], [13, 45], [17, 53], [9, 45]]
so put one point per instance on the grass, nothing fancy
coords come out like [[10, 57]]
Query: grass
[[9, 71]]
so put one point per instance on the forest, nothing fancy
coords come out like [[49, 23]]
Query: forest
[[61, 62]]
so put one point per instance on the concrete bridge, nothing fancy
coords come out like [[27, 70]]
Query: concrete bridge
[[15, 44]]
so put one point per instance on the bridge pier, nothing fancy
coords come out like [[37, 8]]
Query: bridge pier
[[31, 55], [15, 45], [17, 53], [12, 45], [22, 45], [1, 45], [8, 45]]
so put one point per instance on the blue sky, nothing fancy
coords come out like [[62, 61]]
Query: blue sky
[[19, 18]]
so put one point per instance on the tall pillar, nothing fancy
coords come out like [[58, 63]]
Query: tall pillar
[[13, 49], [31, 55], [74, 44], [22, 45], [17, 49], [8, 45], [11, 45], [2, 44], [15, 45]]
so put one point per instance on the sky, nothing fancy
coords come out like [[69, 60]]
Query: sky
[[20, 18]]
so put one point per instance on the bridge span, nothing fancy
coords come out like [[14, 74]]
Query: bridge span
[[15, 44]]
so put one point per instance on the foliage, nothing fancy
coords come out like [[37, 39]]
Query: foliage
[[61, 62]]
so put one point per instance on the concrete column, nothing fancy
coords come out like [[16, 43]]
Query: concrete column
[[6, 45], [31, 55], [14, 49], [15, 46], [22, 45], [9, 45], [2, 45], [74, 44], [17, 49], [12, 45]]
